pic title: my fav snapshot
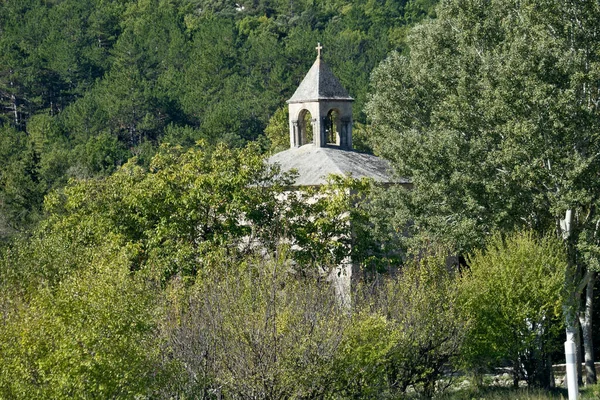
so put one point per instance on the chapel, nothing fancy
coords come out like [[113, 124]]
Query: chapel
[[320, 128]]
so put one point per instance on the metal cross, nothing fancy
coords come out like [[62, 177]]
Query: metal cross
[[319, 48]]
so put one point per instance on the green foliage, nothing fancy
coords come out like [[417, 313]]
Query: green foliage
[[101, 154], [364, 356], [187, 205], [82, 295], [491, 116], [94, 83], [432, 328], [258, 327], [361, 136], [330, 224], [136, 260], [92, 335], [166, 278], [406, 332], [255, 328], [278, 130], [21, 186], [513, 293]]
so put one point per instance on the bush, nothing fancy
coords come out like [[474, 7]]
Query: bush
[[513, 294], [419, 328], [89, 336], [254, 330], [259, 330]]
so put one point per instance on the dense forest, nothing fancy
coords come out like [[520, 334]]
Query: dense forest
[[86, 85], [147, 250]]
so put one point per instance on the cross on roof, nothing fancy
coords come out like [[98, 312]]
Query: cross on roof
[[319, 48]]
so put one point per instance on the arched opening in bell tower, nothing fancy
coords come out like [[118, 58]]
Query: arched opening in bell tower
[[333, 127], [305, 127]]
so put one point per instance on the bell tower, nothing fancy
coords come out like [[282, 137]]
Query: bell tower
[[323, 97]]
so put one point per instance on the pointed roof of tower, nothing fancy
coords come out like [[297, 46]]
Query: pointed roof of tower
[[319, 84]]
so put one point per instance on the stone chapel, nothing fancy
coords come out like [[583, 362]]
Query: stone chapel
[[322, 106]]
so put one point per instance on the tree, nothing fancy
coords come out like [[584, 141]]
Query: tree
[[494, 117], [407, 331], [278, 130], [51, 53], [21, 188], [255, 328], [87, 331], [512, 293], [178, 213], [259, 328]]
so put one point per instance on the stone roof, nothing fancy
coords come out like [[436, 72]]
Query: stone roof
[[314, 164], [319, 84]]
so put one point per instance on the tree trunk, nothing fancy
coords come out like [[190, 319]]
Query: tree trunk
[[579, 354], [571, 331], [15, 110], [585, 320], [552, 380], [516, 368], [571, 306]]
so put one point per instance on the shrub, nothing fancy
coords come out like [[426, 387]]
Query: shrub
[[407, 332], [90, 336], [255, 330], [513, 292]]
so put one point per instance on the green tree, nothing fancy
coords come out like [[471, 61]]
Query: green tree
[[493, 115], [84, 332], [258, 328], [329, 224], [21, 187], [186, 207], [208, 84], [51, 53], [278, 130], [512, 293], [407, 331]]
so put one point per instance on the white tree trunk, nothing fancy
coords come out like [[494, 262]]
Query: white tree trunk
[[579, 352], [15, 109], [570, 311], [571, 362]]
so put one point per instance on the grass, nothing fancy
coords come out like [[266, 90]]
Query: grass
[[504, 393]]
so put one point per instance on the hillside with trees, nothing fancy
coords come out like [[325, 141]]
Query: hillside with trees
[[86, 85], [148, 251]]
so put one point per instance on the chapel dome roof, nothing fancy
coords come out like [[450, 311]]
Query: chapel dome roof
[[314, 164]]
